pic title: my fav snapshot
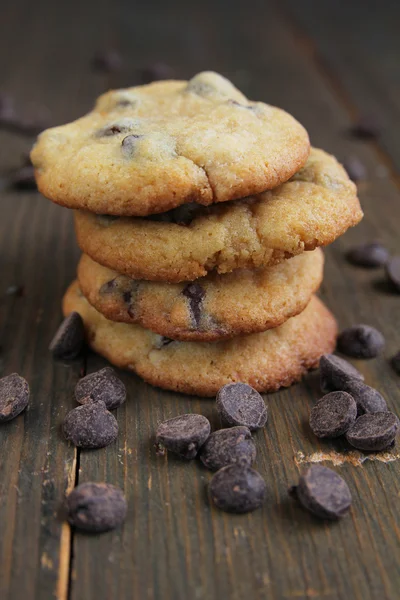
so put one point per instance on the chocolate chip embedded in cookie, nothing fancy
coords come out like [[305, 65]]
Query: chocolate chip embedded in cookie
[[211, 308], [150, 148], [266, 361], [315, 207]]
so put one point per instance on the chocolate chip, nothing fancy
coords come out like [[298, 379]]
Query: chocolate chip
[[396, 362], [393, 272], [15, 290], [335, 372], [228, 446], [129, 144], [156, 72], [90, 425], [96, 507], [373, 431], [23, 178], [14, 396], [369, 255], [183, 435], [237, 489], [367, 127], [195, 294], [107, 61], [323, 492], [333, 414], [240, 404], [368, 399], [361, 341], [355, 168], [68, 340], [102, 385]]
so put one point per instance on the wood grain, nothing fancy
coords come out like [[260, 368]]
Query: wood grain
[[175, 545]]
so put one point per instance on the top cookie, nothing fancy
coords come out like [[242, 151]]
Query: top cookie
[[151, 148]]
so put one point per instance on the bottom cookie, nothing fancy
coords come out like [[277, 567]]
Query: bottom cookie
[[267, 361]]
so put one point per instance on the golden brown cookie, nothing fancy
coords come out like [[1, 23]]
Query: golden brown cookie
[[267, 361], [315, 207], [210, 308], [151, 148]]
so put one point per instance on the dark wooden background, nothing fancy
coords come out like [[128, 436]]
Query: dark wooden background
[[325, 62]]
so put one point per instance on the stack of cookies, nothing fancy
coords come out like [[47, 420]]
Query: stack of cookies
[[200, 215]]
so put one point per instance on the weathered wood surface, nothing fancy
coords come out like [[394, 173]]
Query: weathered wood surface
[[174, 544]]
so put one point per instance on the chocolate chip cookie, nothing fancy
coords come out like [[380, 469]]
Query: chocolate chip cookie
[[315, 207], [266, 361], [210, 308], [150, 148]]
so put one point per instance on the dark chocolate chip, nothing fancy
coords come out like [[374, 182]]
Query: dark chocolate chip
[[366, 127], [369, 255], [333, 414], [68, 340], [23, 178], [396, 362], [361, 341], [335, 372], [393, 272], [228, 446], [323, 492], [156, 72], [90, 425], [96, 507], [109, 286], [240, 404], [183, 435], [355, 168], [129, 144], [373, 431], [195, 294], [368, 399], [15, 290], [237, 489], [102, 385], [14, 396], [107, 61]]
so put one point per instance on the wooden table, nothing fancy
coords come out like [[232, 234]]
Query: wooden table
[[325, 62]]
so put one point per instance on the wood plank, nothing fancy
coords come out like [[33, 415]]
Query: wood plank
[[357, 49], [174, 544], [38, 251]]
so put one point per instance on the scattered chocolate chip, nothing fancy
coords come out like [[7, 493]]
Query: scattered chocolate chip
[[367, 127], [23, 178], [323, 492], [156, 72], [129, 144], [368, 399], [107, 61], [369, 255], [237, 489], [96, 507], [240, 404], [335, 372], [90, 425], [29, 124], [361, 341], [333, 414], [195, 294], [228, 446], [393, 272], [396, 362], [68, 340], [183, 435], [355, 168], [14, 396], [373, 431], [102, 385], [15, 290]]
